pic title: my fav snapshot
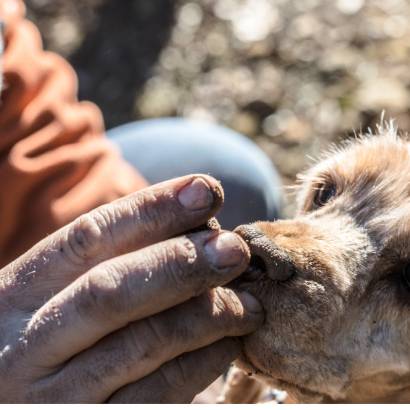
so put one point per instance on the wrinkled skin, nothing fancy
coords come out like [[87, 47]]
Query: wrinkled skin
[[122, 306], [334, 281]]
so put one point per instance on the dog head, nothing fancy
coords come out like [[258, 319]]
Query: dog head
[[335, 280]]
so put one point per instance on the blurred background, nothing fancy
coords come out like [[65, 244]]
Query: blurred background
[[294, 75]]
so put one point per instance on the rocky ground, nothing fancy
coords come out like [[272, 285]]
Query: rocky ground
[[293, 75]]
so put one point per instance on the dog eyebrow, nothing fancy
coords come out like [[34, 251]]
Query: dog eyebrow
[[313, 179]]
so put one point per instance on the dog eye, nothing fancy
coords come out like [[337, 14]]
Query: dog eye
[[324, 194], [405, 275]]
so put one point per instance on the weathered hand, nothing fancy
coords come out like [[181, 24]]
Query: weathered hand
[[117, 307]]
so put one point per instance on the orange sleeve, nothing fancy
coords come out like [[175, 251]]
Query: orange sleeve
[[55, 162]]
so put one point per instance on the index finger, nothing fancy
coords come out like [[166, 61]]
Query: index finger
[[130, 223]]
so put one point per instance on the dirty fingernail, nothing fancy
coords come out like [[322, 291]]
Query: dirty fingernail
[[196, 196], [225, 250], [250, 303]]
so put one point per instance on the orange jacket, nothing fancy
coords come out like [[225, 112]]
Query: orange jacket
[[55, 162]]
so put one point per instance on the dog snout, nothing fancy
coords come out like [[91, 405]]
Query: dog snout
[[266, 257]]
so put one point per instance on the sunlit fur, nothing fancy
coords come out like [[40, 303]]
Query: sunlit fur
[[339, 329]]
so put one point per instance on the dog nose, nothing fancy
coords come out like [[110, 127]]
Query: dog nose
[[266, 257]]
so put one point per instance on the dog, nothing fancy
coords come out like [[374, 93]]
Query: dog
[[335, 283]]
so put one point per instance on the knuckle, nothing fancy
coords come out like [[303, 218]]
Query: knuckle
[[152, 211], [140, 342], [160, 331], [157, 334], [227, 307], [146, 212], [138, 347], [174, 374], [85, 237], [181, 265], [101, 294]]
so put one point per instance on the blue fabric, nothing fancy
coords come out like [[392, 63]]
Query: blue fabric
[[166, 148]]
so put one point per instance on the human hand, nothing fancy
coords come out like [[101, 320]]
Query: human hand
[[109, 308]]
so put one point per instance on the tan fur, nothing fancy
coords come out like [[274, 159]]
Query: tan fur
[[240, 388], [338, 330]]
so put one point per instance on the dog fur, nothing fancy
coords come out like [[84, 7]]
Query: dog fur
[[335, 283]]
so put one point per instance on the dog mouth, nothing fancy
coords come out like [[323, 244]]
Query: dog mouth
[[254, 273], [256, 268]]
